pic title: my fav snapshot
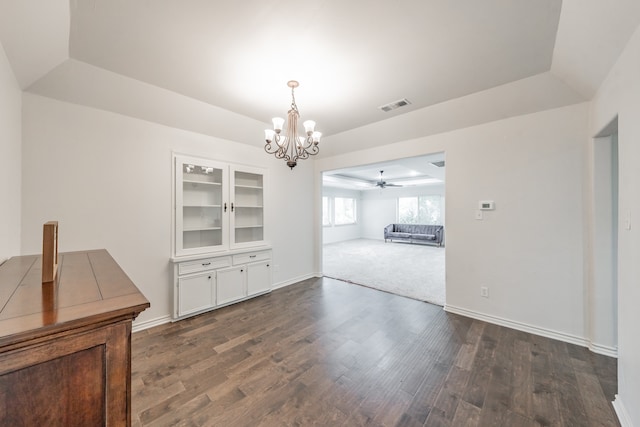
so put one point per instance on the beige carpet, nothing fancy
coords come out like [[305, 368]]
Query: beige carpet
[[411, 270]]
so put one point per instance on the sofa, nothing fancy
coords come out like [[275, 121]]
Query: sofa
[[414, 233]]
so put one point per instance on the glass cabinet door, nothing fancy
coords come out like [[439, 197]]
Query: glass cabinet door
[[201, 194], [247, 206]]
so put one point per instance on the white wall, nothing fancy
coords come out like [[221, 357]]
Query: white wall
[[340, 233], [10, 143], [529, 251], [620, 95], [379, 207], [107, 179]]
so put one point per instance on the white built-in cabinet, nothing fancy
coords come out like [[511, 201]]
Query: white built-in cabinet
[[220, 252], [218, 206]]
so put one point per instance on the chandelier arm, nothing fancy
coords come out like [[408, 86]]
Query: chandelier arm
[[308, 143], [304, 154], [279, 154], [275, 147]]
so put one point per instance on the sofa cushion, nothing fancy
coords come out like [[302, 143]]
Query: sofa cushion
[[424, 236], [399, 235], [409, 228]]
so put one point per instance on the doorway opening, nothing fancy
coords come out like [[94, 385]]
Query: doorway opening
[[603, 295], [361, 201]]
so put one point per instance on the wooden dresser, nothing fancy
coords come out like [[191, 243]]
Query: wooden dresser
[[65, 346]]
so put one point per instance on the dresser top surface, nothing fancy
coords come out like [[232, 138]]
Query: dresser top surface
[[90, 287]]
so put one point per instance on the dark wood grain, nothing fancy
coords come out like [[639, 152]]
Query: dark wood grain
[[327, 353], [65, 348], [78, 299], [69, 381]]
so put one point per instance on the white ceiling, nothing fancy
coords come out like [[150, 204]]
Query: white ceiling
[[409, 172], [178, 62], [349, 56]]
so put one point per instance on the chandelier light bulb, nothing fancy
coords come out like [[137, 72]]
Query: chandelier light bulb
[[316, 137], [278, 122], [269, 134], [309, 126]]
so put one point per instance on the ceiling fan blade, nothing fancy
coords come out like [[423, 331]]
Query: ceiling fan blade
[[383, 184]]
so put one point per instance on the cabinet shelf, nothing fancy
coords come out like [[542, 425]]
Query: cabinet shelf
[[200, 206], [249, 226], [188, 229], [248, 207], [188, 181], [251, 187]]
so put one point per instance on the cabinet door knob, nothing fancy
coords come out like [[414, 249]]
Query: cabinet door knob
[[225, 206], [241, 271], [267, 265], [252, 256], [204, 264], [231, 206], [209, 277]]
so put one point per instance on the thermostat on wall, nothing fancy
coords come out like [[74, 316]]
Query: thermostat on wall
[[486, 205]]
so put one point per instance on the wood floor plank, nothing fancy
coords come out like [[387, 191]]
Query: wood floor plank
[[467, 415], [567, 386], [327, 353], [521, 401], [481, 368], [449, 397], [596, 405], [499, 389]]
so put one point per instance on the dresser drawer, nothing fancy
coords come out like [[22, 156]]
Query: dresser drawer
[[203, 265], [251, 257]]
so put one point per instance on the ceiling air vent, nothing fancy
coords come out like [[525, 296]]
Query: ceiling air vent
[[439, 164], [396, 104]]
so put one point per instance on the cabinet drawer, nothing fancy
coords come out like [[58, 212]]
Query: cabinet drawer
[[203, 265], [251, 257]]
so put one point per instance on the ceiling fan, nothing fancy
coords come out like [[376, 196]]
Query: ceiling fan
[[382, 183]]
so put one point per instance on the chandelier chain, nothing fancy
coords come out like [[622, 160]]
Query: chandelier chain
[[293, 99]]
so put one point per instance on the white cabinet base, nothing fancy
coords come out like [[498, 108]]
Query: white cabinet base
[[214, 281]]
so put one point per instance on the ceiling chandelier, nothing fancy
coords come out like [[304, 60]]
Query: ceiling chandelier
[[290, 146]]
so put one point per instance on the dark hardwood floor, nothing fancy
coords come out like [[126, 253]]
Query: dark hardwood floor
[[327, 353]]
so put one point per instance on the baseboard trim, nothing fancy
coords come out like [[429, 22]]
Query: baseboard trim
[[141, 326], [603, 349], [621, 412], [536, 330], [293, 281]]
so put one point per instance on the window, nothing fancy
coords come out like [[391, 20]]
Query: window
[[421, 210], [326, 212], [344, 210], [338, 211]]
